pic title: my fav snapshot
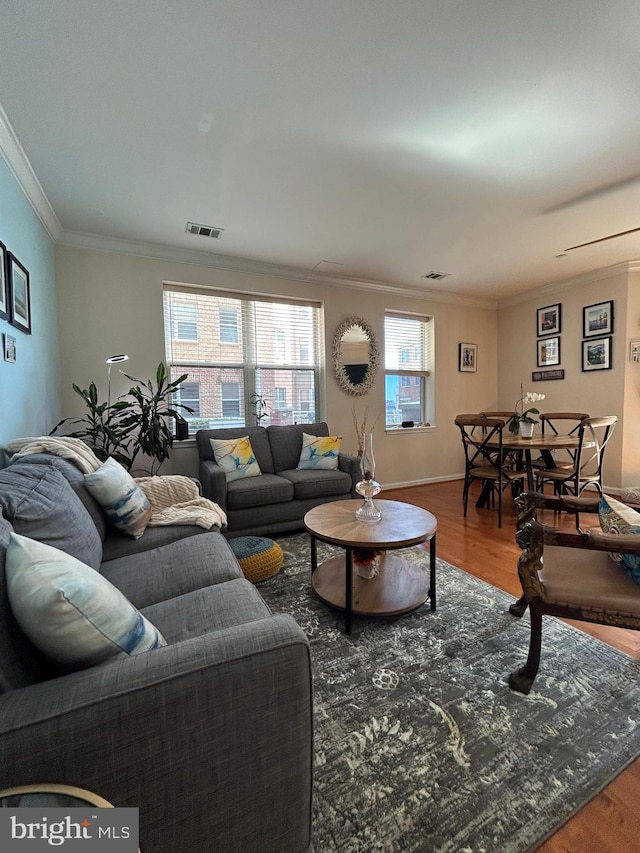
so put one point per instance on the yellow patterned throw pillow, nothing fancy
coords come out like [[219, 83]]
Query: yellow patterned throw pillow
[[320, 451], [236, 458]]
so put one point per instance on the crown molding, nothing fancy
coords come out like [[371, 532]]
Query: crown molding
[[622, 268], [20, 167], [175, 254]]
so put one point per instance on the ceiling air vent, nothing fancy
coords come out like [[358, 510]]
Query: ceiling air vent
[[204, 230], [436, 275]]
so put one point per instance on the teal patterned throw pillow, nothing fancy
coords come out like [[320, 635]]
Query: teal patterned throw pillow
[[123, 501], [616, 517], [236, 457], [320, 451]]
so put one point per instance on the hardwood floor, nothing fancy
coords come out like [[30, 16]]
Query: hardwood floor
[[610, 823]]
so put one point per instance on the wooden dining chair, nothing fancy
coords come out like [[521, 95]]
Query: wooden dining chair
[[585, 470], [485, 459], [559, 423]]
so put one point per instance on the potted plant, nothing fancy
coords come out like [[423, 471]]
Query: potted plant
[[138, 424], [523, 421]]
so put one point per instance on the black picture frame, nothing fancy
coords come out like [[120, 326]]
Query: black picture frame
[[597, 319], [548, 351], [596, 354], [20, 295], [467, 358], [549, 320], [4, 283]]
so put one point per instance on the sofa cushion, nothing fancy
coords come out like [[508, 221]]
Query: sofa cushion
[[286, 443], [123, 501], [320, 452], [173, 569], [257, 437], [39, 503], [118, 545], [75, 478], [236, 457], [69, 611], [616, 517], [258, 491], [317, 483], [212, 608]]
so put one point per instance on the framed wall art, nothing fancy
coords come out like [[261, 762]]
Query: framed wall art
[[20, 295], [9, 347], [596, 354], [597, 320], [4, 284], [467, 357], [550, 320], [634, 352], [548, 352]]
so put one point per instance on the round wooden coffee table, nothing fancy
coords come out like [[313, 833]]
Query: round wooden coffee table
[[400, 586]]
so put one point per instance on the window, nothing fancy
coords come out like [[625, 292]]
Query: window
[[189, 395], [408, 354], [246, 346], [185, 322], [230, 399], [228, 325]]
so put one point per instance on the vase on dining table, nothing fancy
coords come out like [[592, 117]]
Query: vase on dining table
[[368, 488], [526, 429]]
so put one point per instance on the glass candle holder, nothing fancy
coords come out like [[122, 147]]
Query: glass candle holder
[[368, 487]]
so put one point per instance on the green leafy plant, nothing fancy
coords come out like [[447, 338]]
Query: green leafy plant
[[138, 424]]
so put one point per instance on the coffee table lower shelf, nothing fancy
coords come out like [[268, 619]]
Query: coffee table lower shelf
[[399, 587]]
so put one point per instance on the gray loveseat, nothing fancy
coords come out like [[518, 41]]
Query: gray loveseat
[[279, 498], [210, 737]]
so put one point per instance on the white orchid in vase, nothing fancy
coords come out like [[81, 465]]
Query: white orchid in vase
[[525, 415]]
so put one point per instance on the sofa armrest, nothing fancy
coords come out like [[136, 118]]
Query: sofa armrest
[[351, 465], [214, 482], [211, 738]]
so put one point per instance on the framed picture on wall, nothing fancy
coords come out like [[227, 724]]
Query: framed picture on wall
[[548, 352], [550, 320], [597, 320], [9, 347], [4, 284], [467, 357], [634, 352], [596, 354], [20, 295]]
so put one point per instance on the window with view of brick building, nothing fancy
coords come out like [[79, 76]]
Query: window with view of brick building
[[408, 355], [234, 346]]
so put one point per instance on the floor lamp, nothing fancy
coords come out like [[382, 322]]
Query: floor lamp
[[112, 359]]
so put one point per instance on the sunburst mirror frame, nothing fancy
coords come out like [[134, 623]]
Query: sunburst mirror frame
[[356, 390]]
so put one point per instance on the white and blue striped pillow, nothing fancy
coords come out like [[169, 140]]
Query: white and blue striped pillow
[[71, 612], [123, 501]]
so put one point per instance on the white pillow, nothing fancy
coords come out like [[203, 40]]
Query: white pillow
[[70, 611], [236, 457], [320, 451], [123, 501]]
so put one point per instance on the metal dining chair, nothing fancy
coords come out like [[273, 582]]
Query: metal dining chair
[[485, 458]]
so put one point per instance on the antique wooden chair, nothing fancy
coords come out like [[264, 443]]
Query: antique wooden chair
[[485, 459], [559, 423], [569, 574]]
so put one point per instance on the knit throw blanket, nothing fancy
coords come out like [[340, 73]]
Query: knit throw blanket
[[174, 499]]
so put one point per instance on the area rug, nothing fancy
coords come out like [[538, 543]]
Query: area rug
[[420, 746]]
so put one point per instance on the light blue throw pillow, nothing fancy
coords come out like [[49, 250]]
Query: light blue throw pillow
[[71, 612], [236, 457], [125, 504], [320, 452]]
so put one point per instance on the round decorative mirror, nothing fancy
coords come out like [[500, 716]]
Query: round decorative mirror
[[355, 355]]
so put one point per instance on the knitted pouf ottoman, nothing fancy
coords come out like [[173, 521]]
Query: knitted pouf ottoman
[[259, 558]]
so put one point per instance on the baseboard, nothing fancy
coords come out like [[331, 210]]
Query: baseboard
[[426, 482]]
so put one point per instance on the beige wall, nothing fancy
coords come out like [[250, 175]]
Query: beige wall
[[605, 392], [111, 303]]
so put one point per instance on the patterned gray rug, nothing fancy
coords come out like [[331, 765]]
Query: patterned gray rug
[[420, 744]]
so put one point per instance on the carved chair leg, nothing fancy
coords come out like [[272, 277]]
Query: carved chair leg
[[519, 607], [522, 679]]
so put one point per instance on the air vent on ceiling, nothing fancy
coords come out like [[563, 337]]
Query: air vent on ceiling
[[436, 275], [204, 230]]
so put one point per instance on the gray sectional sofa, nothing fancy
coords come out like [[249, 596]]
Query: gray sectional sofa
[[277, 500], [210, 736]]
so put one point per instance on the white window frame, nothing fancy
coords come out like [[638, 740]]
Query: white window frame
[[422, 375]]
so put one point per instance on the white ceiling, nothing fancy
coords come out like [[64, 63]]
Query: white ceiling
[[388, 139]]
